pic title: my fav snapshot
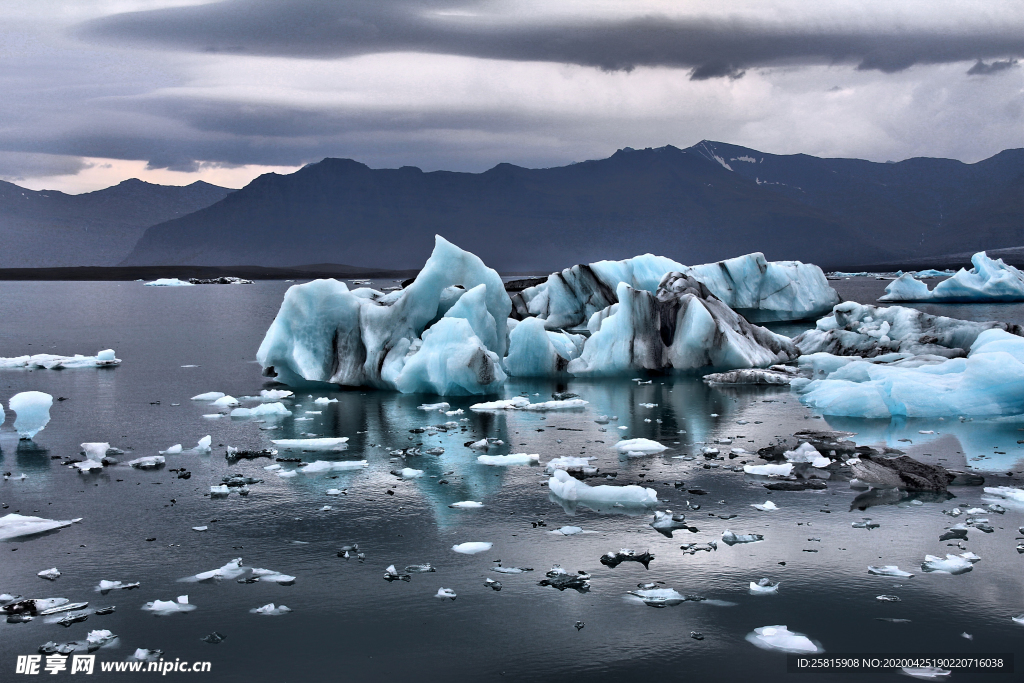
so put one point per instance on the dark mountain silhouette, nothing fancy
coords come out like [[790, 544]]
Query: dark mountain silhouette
[[704, 203], [50, 229]]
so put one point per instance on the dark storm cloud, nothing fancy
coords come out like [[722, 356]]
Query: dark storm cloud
[[982, 69], [710, 48]]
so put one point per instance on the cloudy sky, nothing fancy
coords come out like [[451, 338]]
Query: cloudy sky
[[172, 91]]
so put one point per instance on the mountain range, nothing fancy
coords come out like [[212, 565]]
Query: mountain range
[[699, 204], [47, 228]]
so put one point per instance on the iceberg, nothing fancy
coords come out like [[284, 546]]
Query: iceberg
[[571, 464], [321, 444], [147, 462], [445, 594], [275, 409], [866, 331], [209, 396], [165, 607], [511, 459], [764, 587], [168, 282], [466, 505], [953, 564], [105, 586], [567, 488], [49, 361], [33, 412], [659, 597], [321, 466], [614, 559], [231, 570], [666, 522], [783, 470], [270, 610], [988, 382], [225, 401], [681, 328], [888, 570], [644, 446], [766, 506], [759, 290], [781, 638], [472, 547], [731, 538], [989, 280], [535, 351], [439, 335], [51, 574]]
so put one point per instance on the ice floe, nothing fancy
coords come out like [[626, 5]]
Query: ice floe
[[781, 470], [105, 586], [466, 505], [781, 638], [571, 464], [166, 607], [271, 610], [511, 459], [988, 280], [953, 564], [445, 594], [209, 396], [168, 282], [33, 412], [888, 570], [659, 597], [472, 547], [570, 489], [766, 506], [51, 574], [732, 538], [275, 409], [764, 587], [147, 462], [319, 444], [643, 446], [321, 466], [49, 361], [17, 526]]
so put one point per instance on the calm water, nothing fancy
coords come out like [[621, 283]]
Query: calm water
[[347, 621]]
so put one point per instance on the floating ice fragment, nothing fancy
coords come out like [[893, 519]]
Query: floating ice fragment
[[645, 446], [888, 570], [481, 445], [408, 473], [511, 570], [173, 450], [33, 412], [766, 506], [105, 586], [209, 396], [49, 574], [200, 528], [323, 400], [1007, 492], [730, 538], [659, 597], [764, 587], [806, 453], [783, 470], [781, 638], [225, 401], [887, 598], [953, 564], [420, 568], [561, 579], [567, 530], [567, 488], [865, 523], [332, 492], [87, 466], [504, 404], [321, 444], [1019, 619], [435, 407], [511, 459], [614, 559], [472, 547], [274, 394], [466, 505], [271, 610], [147, 462], [321, 466], [168, 282], [445, 593], [231, 570], [571, 464], [271, 576], [666, 522], [926, 672], [165, 607], [16, 526], [265, 409]]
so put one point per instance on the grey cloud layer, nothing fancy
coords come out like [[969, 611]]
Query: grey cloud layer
[[710, 47]]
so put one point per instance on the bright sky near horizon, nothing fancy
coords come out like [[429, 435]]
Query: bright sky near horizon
[[174, 91]]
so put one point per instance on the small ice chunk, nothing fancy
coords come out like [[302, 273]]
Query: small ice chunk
[[472, 547], [322, 444], [568, 530], [518, 402], [481, 445], [731, 538], [332, 492], [49, 574], [571, 463], [147, 462], [511, 570], [953, 564], [445, 593], [105, 586], [173, 450], [649, 405], [409, 473], [33, 412], [766, 506], [204, 445], [165, 607], [224, 401], [438, 407], [95, 451], [659, 597], [512, 459], [865, 523], [209, 396], [323, 400], [764, 587], [666, 522], [274, 394], [168, 282], [275, 409], [888, 570], [321, 466], [783, 470], [271, 576], [88, 466], [567, 488], [781, 638], [466, 505], [644, 446], [271, 610]]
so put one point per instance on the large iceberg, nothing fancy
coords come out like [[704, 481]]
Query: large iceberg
[[988, 382], [862, 330], [684, 327], [761, 291], [444, 333], [33, 412], [535, 351], [988, 280]]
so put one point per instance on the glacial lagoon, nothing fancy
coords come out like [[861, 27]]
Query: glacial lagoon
[[346, 620]]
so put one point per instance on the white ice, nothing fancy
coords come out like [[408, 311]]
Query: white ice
[[49, 361], [659, 597], [275, 409], [511, 459], [320, 444], [271, 610], [988, 281], [567, 488], [571, 463], [172, 450], [274, 394], [645, 446], [764, 587], [51, 574], [888, 570], [168, 282], [165, 607], [95, 450], [33, 412], [781, 638], [225, 401], [432, 407], [782, 470], [445, 593], [147, 462], [472, 547], [766, 506], [806, 453], [410, 473], [535, 351], [209, 396], [732, 538], [466, 505], [321, 466], [231, 570], [105, 585], [953, 564], [323, 400], [518, 402]]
